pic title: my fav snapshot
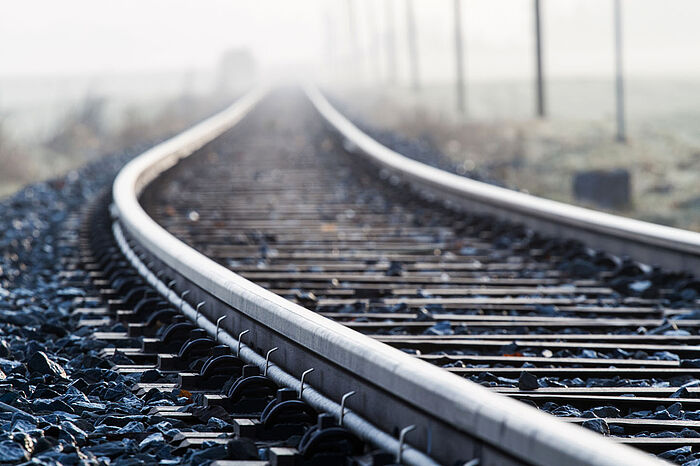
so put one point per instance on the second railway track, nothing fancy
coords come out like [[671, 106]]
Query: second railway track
[[284, 202]]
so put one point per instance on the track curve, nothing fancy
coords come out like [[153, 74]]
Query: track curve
[[456, 419]]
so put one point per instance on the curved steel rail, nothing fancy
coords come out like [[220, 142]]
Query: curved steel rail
[[672, 248], [513, 432]]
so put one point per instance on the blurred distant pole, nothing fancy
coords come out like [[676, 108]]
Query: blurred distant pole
[[355, 67], [390, 42], [412, 45], [329, 44], [459, 55], [619, 84], [538, 60], [373, 53]]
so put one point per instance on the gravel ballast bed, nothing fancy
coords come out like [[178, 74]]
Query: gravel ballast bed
[[60, 402]]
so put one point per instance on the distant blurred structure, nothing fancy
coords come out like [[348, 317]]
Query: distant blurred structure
[[610, 189], [237, 70]]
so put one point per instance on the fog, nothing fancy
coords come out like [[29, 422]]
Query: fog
[[103, 36], [61, 62], [79, 37], [53, 53]]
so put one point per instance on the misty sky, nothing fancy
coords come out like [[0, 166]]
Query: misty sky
[[47, 37]]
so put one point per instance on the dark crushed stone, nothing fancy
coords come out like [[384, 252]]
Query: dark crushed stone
[[242, 449], [673, 454], [527, 381], [597, 425], [50, 370], [602, 411], [12, 452]]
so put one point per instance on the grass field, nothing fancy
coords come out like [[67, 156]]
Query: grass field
[[51, 126]]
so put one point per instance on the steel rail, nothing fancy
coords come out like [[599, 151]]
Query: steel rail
[[653, 244], [312, 396], [500, 430]]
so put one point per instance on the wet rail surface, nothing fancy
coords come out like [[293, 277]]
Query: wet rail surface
[[599, 341]]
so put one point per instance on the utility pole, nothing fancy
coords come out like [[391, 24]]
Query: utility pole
[[390, 42], [354, 47], [373, 31], [412, 45], [619, 83], [538, 60], [329, 48], [459, 56]]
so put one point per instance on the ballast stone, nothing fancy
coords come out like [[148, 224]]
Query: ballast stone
[[41, 364]]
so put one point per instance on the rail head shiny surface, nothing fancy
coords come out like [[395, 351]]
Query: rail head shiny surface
[[513, 427], [656, 244]]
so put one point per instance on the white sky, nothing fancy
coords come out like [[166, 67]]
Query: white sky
[[49, 37], [98, 36]]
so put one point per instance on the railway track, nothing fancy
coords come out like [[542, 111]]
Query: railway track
[[286, 259]]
